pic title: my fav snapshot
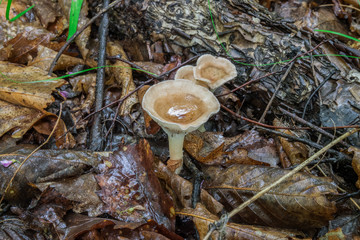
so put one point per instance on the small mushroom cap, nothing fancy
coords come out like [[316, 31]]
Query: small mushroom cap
[[185, 72], [215, 71], [180, 106]]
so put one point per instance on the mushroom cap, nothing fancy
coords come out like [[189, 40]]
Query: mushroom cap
[[185, 72], [180, 106], [215, 71]]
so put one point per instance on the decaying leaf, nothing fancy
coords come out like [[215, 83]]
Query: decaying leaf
[[81, 190], [37, 96], [45, 56], [297, 152], [300, 202], [83, 227], [44, 165], [248, 148], [85, 83], [83, 38], [17, 119], [203, 218], [123, 76], [183, 189], [129, 188], [356, 163]]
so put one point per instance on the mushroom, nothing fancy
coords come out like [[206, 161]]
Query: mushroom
[[179, 107], [185, 72], [214, 71]]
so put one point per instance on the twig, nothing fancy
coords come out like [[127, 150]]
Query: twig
[[275, 92], [306, 141], [276, 127], [35, 150], [62, 49], [96, 141], [315, 91], [283, 178], [316, 128]]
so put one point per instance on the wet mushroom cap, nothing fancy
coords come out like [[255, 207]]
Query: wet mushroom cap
[[185, 72], [180, 106], [215, 71]]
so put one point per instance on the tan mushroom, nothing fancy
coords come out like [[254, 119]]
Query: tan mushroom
[[179, 107], [214, 71], [185, 72]]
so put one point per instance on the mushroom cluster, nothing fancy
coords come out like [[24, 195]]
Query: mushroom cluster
[[183, 105]]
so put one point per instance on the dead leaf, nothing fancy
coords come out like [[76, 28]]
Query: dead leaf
[[300, 202], [45, 56], [85, 83], [183, 189], [80, 190], [17, 119], [81, 40], [297, 152], [356, 163], [212, 148], [36, 96], [130, 189], [123, 76], [203, 218], [46, 165]]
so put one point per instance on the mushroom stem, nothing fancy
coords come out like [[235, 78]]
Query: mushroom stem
[[176, 143]]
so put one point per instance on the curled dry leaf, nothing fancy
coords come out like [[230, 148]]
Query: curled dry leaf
[[183, 189], [37, 96], [203, 218], [129, 188], [300, 202], [123, 76], [17, 119], [297, 152], [45, 56]]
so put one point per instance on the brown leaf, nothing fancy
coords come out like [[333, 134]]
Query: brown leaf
[[203, 218], [356, 163], [46, 165], [45, 56], [123, 76], [17, 119], [82, 40], [183, 189], [130, 189], [46, 11], [73, 189], [36, 96], [85, 83], [300, 202], [212, 148], [297, 152], [64, 139]]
